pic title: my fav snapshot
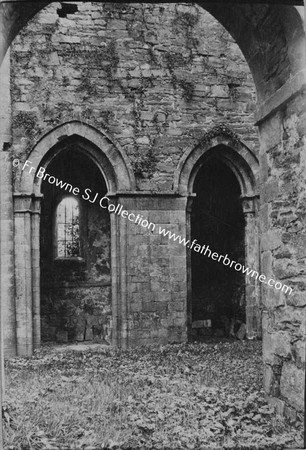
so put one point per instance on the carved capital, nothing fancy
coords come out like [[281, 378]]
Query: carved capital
[[27, 203], [249, 204]]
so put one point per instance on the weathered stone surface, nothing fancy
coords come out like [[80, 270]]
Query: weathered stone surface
[[241, 333], [297, 299], [276, 344], [291, 385], [278, 405], [283, 253], [62, 336]]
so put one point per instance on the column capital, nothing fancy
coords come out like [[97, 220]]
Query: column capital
[[27, 203], [249, 204], [190, 200]]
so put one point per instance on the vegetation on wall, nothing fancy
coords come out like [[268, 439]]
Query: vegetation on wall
[[176, 60], [220, 129], [144, 163], [188, 89], [26, 121], [185, 22]]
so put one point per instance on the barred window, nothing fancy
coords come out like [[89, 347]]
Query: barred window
[[68, 228]]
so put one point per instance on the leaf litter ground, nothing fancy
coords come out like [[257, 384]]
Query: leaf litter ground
[[179, 396]]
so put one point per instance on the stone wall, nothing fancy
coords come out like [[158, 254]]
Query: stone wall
[[156, 273], [155, 77], [283, 248]]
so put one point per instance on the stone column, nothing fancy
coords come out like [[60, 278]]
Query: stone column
[[27, 274], [118, 270], [5, 95], [188, 263], [252, 288], [23, 273], [7, 257], [7, 240], [115, 267], [35, 243]]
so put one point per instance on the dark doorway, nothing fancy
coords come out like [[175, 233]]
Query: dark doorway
[[217, 220], [75, 251]]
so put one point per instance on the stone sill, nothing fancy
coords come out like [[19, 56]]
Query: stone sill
[[73, 259], [78, 284]]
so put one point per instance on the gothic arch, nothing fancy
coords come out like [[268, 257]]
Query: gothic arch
[[222, 144], [226, 146], [118, 175], [111, 160]]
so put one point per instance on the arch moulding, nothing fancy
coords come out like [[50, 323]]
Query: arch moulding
[[241, 159], [119, 177], [110, 158]]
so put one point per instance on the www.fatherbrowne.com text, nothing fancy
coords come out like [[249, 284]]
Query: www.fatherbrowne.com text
[[138, 219]]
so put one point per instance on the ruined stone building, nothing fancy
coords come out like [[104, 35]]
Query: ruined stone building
[[189, 117]]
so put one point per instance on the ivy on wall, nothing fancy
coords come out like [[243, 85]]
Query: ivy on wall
[[218, 130], [26, 121], [144, 163]]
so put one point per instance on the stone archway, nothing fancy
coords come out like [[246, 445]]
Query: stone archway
[[224, 146], [272, 39], [112, 165]]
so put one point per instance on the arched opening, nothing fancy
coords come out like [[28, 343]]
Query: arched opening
[[67, 229], [74, 251], [72, 161], [217, 221], [272, 40], [220, 176]]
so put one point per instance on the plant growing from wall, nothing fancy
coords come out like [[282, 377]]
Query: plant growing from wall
[[144, 163], [137, 25], [25, 120], [86, 86], [220, 129], [160, 121], [116, 10], [105, 58], [174, 60], [151, 55], [188, 89], [185, 22]]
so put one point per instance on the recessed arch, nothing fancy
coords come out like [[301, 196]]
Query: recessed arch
[[108, 172], [111, 160], [75, 251]]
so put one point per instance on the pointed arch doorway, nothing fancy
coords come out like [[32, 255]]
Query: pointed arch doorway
[[217, 220], [75, 259], [220, 176]]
